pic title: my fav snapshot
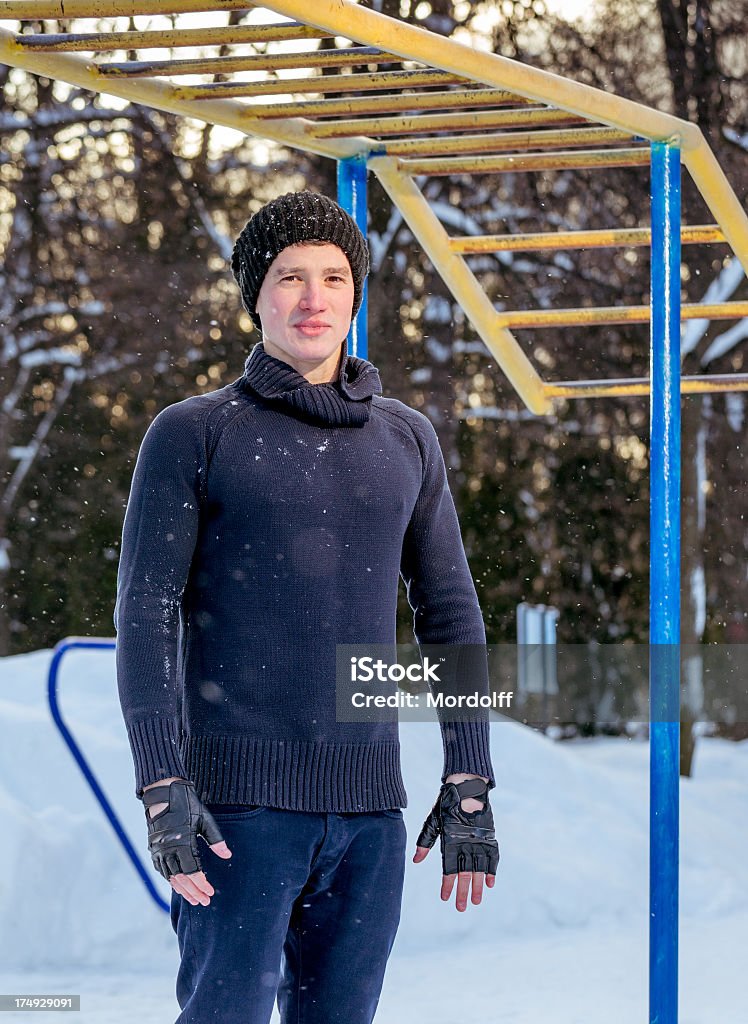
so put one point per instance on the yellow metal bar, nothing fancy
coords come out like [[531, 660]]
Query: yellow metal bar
[[425, 226], [697, 233], [625, 388], [720, 198], [320, 84], [521, 319], [34, 9], [381, 104], [369, 27], [423, 123], [78, 71], [637, 157], [248, 62], [173, 37], [489, 143]]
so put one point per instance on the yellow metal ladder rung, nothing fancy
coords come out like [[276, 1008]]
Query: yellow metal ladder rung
[[24, 10], [634, 157], [320, 84], [521, 319], [423, 123], [628, 387], [503, 141], [690, 235], [176, 37], [248, 62], [375, 104]]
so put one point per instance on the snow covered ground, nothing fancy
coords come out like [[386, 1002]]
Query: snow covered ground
[[562, 936]]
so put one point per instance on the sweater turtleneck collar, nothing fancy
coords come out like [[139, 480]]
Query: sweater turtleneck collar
[[343, 402]]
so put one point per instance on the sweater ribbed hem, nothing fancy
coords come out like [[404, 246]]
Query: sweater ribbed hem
[[155, 749], [295, 775], [467, 749]]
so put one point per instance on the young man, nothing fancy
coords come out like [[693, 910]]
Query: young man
[[269, 522]]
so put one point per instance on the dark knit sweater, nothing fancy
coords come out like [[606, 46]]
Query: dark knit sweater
[[269, 521]]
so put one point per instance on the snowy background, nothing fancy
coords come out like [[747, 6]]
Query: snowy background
[[562, 936]]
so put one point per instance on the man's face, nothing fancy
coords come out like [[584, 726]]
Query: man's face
[[305, 305]]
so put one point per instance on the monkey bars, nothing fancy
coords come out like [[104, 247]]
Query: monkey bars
[[406, 104], [412, 105]]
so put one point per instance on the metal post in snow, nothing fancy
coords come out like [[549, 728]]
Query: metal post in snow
[[664, 661], [61, 649], [352, 197]]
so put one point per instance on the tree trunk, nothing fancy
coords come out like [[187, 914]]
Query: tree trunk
[[674, 20], [695, 424]]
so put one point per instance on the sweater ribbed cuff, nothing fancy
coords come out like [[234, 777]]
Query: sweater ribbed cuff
[[467, 749], [155, 751]]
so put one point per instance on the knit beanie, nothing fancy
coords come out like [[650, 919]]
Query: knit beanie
[[293, 218]]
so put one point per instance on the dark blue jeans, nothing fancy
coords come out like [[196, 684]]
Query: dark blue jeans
[[306, 909]]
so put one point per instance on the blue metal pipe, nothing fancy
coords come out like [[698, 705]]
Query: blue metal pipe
[[664, 661], [352, 197], [59, 652]]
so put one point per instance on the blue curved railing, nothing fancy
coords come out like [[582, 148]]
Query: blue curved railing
[[68, 644]]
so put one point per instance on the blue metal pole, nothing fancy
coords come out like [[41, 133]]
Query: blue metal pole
[[664, 661], [71, 643], [352, 197]]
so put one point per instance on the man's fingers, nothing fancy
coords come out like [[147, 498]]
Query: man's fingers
[[464, 880], [221, 849], [448, 882], [421, 853], [463, 888], [195, 887], [199, 880], [187, 893], [478, 877]]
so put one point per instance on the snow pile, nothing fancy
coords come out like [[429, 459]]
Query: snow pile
[[65, 881], [564, 930]]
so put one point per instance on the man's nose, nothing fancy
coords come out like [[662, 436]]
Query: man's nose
[[313, 295]]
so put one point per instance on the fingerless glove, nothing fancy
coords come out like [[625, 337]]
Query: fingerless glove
[[468, 841], [173, 832]]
